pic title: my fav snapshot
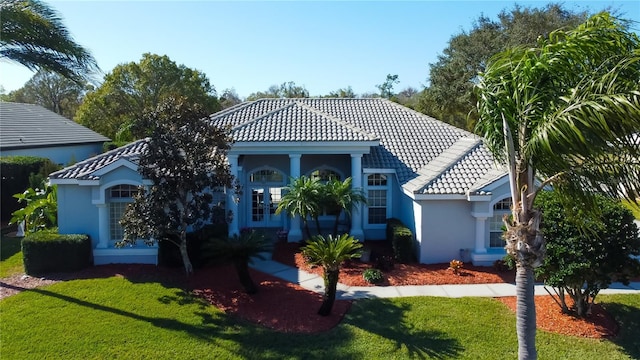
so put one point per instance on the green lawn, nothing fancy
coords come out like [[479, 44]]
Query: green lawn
[[10, 256], [117, 318]]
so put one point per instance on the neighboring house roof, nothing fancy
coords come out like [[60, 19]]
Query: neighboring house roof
[[427, 155], [24, 126]]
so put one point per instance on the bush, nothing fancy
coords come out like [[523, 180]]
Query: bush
[[18, 174], [48, 251], [169, 253], [587, 253], [402, 241], [372, 276], [505, 264]]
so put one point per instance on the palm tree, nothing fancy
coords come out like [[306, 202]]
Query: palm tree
[[303, 197], [341, 196], [34, 36], [330, 253], [565, 113]]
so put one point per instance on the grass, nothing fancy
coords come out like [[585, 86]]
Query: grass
[[120, 318], [10, 256]]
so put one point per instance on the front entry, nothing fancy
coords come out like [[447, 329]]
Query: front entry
[[264, 202]]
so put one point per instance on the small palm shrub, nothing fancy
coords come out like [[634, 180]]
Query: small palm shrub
[[372, 276]]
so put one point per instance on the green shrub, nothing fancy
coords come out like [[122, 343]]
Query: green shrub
[[18, 174], [372, 276], [401, 239], [48, 251]]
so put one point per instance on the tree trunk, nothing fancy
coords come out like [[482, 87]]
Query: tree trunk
[[242, 269], [526, 313], [330, 287], [188, 268]]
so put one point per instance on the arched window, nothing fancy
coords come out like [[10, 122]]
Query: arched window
[[500, 208], [119, 197], [266, 176], [324, 175]]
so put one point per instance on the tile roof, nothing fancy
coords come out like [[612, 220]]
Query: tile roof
[[84, 170], [429, 156], [30, 126]]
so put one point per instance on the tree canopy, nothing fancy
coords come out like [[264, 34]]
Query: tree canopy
[[33, 35], [130, 90], [51, 91], [284, 90], [449, 95]]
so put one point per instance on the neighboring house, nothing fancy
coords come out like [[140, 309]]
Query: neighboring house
[[441, 181], [31, 130]]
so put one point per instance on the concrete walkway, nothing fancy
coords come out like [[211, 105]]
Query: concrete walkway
[[315, 283]]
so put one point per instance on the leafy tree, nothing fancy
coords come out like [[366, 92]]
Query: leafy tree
[[562, 112], [41, 208], [185, 159], [586, 253], [330, 253], [51, 91], [339, 196], [132, 89], [240, 250], [342, 93], [229, 98], [450, 96], [285, 90], [409, 97], [303, 197], [386, 88], [33, 35]]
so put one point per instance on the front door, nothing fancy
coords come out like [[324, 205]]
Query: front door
[[264, 202]]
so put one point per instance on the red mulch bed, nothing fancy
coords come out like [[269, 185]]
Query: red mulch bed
[[287, 307]]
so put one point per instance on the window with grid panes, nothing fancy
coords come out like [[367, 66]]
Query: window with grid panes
[[377, 198], [500, 208], [119, 197]]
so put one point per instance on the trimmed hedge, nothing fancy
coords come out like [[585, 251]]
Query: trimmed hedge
[[47, 251], [169, 254], [401, 239], [16, 171]]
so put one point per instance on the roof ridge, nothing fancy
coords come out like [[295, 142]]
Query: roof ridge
[[252, 121], [232, 108], [338, 120]]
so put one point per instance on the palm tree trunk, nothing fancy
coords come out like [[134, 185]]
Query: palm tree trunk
[[330, 288], [526, 313], [242, 269]]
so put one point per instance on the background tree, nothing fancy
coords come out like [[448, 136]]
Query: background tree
[[342, 93], [563, 112], [51, 91], [586, 253], [33, 35], [409, 97], [330, 253], [132, 89], [285, 90], [229, 98], [386, 88], [449, 95], [185, 159]]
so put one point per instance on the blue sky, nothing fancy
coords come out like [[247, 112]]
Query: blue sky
[[249, 46]]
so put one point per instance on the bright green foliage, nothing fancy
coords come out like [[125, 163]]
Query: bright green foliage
[[340, 196], [330, 253], [10, 256], [401, 239], [450, 96], [585, 253], [40, 209], [33, 35], [18, 174], [372, 276], [130, 90], [240, 250], [386, 88], [48, 251], [285, 90], [303, 197]]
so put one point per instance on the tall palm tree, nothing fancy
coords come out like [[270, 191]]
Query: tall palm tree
[[565, 113], [34, 36], [330, 253], [303, 196], [340, 196]]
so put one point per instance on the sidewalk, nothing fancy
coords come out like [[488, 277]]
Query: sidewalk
[[315, 283]]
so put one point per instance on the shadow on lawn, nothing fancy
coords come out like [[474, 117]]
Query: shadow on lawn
[[628, 317]]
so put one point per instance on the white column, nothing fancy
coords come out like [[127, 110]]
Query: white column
[[480, 240], [356, 211], [103, 226], [232, 201], [295, 232]]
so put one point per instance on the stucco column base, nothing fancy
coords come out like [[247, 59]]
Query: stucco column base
[[358, 234], [295, 235]]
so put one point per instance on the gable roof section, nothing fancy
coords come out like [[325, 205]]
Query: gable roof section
[[32, 126], [90, 169]]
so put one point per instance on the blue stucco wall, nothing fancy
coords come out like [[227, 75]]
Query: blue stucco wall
[[61, 155], [76, 213]]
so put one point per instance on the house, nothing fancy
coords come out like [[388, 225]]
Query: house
[[31, 130], [441, 181]]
